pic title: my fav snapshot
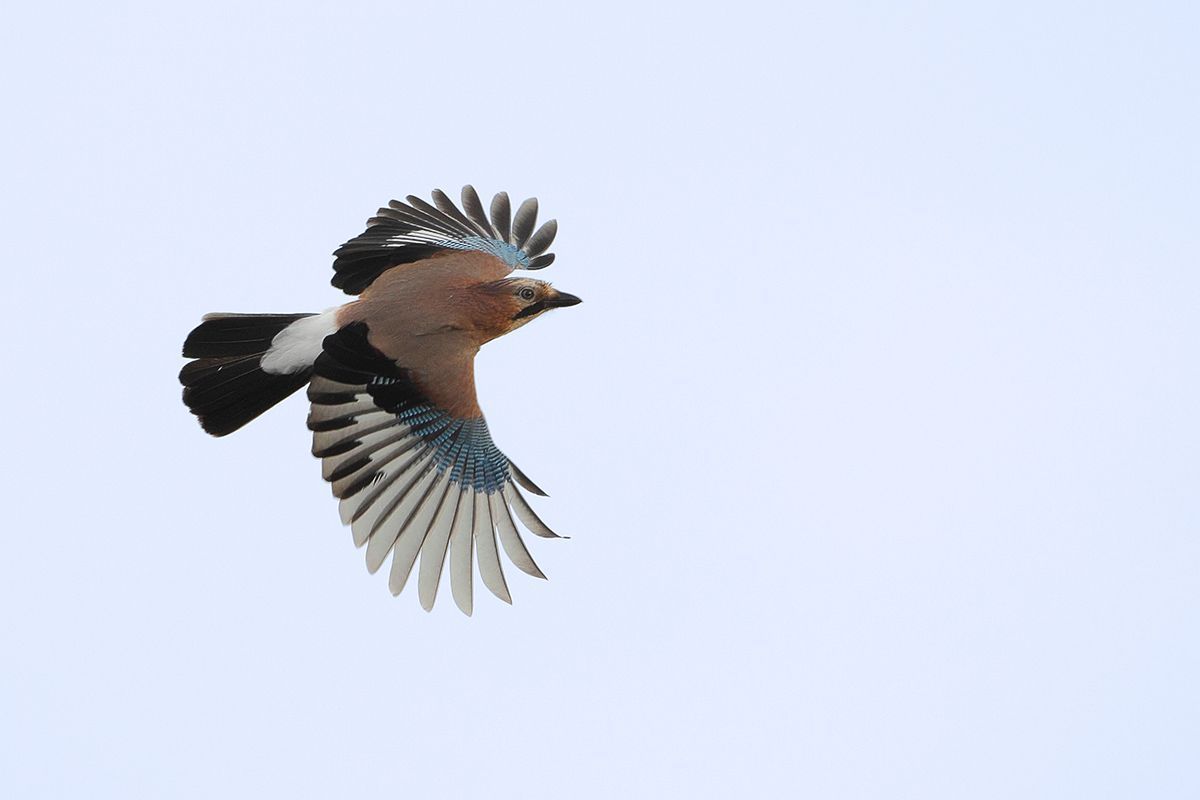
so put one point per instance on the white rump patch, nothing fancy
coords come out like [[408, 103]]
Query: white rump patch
[[297, 346]]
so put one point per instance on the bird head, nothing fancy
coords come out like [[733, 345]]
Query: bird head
[[516, 301]]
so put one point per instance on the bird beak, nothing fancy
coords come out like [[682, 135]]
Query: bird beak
[[561, 300]]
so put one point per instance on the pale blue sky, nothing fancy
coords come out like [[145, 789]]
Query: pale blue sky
[[876, 433]]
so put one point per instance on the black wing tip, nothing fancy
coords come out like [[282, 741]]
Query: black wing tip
[[336, 449]]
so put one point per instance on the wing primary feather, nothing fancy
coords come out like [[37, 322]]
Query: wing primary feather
[[400, 220], [524, 480], [421, 219], [514, 548], [433, 549], [416, 530], [460, 552], [485, 550], [337, 467], [343, 446], [387, 531], [357, 504], [331, 443], [540, 241], [326, 414], [397, 488], [354, 507], [541, 262], [473, 207], [434, 213], [501, 215], [442, 201], [326, 392], [374, 451], [391, 529], [523, 222], [524, 513], [361, 480], [390, 216], [326, 425]]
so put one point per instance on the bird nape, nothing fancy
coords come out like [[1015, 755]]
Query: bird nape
[[391, 383]]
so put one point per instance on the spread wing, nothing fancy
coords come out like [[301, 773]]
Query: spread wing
[[413, 480], [406, 232]]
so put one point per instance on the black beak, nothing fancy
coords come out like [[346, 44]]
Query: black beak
[[561, 300]]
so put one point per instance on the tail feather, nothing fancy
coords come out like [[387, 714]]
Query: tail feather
[[225, 386], [223, 335]]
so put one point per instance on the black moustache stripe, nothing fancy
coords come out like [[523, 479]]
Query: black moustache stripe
[[536, 308]]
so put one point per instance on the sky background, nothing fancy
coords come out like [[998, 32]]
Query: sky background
[[876, 433]]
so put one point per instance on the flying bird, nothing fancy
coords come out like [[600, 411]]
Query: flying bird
[[391, 385]]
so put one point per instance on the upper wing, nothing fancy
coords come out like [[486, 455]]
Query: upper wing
[[406, 232], [413, 479]]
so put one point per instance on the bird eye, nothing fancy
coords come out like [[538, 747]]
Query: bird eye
[[527, 293]]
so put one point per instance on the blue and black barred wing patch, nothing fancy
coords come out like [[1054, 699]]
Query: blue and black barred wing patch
[[406, 232], [413, 480]]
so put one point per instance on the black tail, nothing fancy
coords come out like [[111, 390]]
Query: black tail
[[225, 386]]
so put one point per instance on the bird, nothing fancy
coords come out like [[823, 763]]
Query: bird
[[391, 385]]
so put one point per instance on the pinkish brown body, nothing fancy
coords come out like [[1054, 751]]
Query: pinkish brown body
[[433, 317]]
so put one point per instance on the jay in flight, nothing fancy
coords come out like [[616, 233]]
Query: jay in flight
[[391, 385]]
